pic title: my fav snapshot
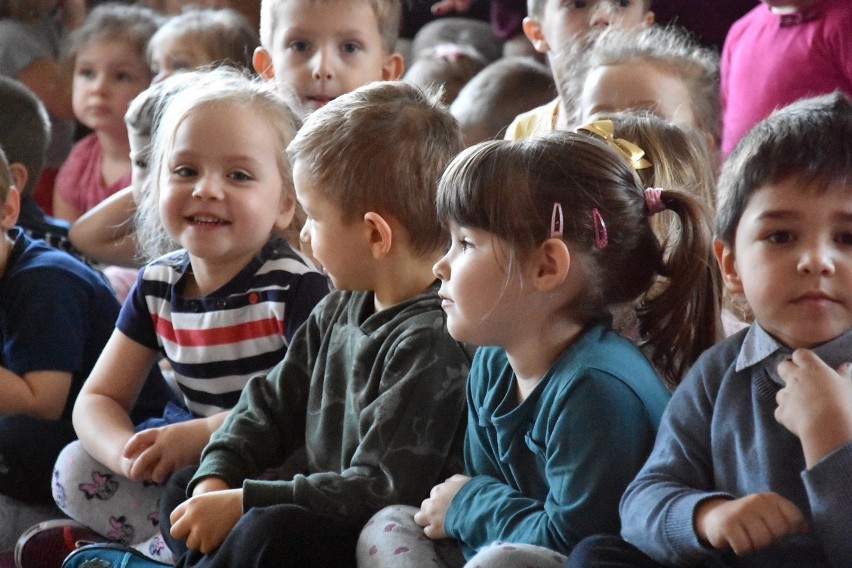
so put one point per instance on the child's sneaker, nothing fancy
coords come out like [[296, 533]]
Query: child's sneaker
[[46, 544], [109, 555]]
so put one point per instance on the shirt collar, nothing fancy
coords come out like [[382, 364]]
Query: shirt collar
[[760, 348]]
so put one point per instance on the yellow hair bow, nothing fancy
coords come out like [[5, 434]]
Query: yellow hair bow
[[605, 130]]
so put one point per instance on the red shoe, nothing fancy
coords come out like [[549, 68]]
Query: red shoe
[[46, 544]]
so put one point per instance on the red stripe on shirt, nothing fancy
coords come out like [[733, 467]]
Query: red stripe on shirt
[[218, 335]]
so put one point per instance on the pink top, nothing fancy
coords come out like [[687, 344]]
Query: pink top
[[770, 60], [79, 180]]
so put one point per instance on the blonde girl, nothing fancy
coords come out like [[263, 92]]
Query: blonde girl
[[220, 310], [547, 234]]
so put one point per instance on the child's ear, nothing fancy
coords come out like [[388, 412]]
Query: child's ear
[[552, 265], [648, 21], [9, 209], [20, 174], [533, 31], [286, 212], [262, 63], [380, 234], [724, 253], [393, 67]]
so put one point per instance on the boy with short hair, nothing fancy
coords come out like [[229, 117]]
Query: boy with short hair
[[753, 460], [372, 385], [562, 30], [320, 49]]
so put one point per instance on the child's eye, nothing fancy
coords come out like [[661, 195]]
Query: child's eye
[[240, 176], [844, 238], [624, 3], [464, 245], [184, 171], [123, 76], [577, 4], [299, 45], [86, 72], [141, 164], [780, 237], [349, 47]]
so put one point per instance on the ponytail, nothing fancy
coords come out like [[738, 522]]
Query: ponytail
[[679, 317]]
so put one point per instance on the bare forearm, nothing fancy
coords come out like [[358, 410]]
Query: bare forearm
[[103, 427]]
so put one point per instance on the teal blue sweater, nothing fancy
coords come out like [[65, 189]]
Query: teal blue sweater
[[551, 470]]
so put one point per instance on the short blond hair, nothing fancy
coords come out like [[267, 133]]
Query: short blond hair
[[388, 17], [382, 148]]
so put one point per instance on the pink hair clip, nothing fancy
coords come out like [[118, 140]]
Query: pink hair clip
[[601, 238], [654, 200], [557, 221]]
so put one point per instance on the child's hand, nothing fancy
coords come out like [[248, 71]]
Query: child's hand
[[815, 404], [152, 455], [204, 521], [444, 7], [747, 524], [434, 509]]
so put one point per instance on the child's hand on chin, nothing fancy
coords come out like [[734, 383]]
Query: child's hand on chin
[[815, 404]]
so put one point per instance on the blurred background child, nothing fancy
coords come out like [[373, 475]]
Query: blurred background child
[[31, 34], [658, 69], [563, 31], [490, 101], [447, 66], [781, 51], [315, 65], [199, 37], [108, 55]]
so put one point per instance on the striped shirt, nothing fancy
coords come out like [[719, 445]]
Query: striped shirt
[[216, 343]]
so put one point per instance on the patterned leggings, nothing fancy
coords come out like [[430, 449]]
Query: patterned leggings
[[392, 539], [122, 510]]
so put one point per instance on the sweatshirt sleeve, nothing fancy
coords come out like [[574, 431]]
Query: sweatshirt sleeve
[[658, 506], [830, 496], [586, 468]]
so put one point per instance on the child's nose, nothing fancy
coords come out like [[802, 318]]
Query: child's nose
[[602, 13], [816, 259], [441, 269], [322, 65], [207, 188], [305, 233]]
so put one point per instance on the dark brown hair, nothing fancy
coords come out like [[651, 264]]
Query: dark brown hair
[[509, 188]]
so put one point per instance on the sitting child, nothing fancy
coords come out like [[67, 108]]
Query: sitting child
[[752, 464], [220, 310], [108, 57]]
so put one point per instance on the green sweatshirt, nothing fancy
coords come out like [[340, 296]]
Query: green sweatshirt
[[376, 398]]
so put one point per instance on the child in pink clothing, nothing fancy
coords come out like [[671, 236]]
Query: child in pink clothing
[[779, 52], [110, 69]]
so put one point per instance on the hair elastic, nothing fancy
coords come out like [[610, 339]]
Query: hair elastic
[[601, 238], [654, 200], [557, 221], [605, 130]]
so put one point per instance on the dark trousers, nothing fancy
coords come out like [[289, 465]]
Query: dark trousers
[[608, 551], [29, 447], [275, 536]]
